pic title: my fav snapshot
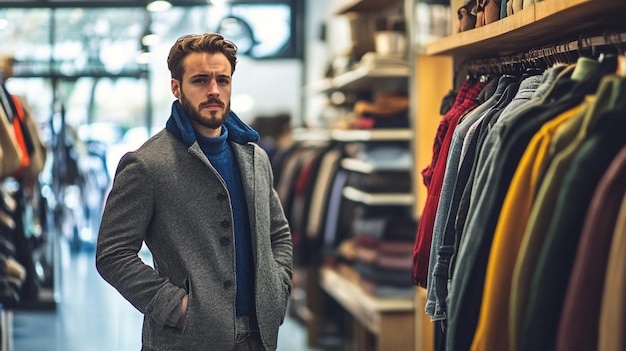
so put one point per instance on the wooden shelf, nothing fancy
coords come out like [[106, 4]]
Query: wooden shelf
[[360, 79], [364, 6], [309, 134], [391, 320], [392, 134], [319, 87], [356, 165], [542, 24], [361, 305], [378, 199], [365, 78], [545, 24]]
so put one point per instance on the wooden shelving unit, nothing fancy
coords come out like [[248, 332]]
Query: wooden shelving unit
[[356, 165], [390, 319], [378, 199], [545, 23], [364, 6], [362, 78], [391, 134], [375, 323]]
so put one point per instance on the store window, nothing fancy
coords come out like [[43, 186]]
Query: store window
[[63, 45], [92, 50], [260, 31]]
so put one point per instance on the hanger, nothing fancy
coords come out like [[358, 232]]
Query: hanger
[[585, 47], [6, 220], [616, 40], [6, 103], [535, 61]]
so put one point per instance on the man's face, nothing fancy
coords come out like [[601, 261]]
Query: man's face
[[205, 91]]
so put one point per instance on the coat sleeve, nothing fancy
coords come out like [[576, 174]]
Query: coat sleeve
[[125, 222], [280, 232]]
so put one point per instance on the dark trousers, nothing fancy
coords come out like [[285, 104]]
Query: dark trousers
[[248, 337], [249, 342]]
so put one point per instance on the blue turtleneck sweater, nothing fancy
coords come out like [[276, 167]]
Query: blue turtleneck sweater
[[219, 152]]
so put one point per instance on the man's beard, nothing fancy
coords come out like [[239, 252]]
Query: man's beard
[[214, 121]]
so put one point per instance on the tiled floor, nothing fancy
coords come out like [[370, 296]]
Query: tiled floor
[[92, 316]]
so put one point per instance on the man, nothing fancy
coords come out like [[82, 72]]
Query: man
[[199, 194]]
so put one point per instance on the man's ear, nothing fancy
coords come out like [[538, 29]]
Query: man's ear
[[175, 88]]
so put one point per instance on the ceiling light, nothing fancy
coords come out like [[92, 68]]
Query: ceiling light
[[143, 57], [150, 39], [158, 6]]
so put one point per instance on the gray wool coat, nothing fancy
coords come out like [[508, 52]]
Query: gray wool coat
[[170, 197]]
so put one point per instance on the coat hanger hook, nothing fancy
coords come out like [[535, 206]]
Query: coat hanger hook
[[616, 40]]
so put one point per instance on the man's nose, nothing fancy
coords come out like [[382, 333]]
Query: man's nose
[[213, 91]]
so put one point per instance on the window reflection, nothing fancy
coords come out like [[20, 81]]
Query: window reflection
[[269, 29], [96, 51], [96, 40], [259, 30]]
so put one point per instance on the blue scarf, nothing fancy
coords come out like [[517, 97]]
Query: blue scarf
[[179, 125]]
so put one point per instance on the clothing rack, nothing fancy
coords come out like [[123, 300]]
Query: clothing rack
[[538, 59]]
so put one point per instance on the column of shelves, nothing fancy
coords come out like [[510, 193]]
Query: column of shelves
[[379, 323], [375, 323]]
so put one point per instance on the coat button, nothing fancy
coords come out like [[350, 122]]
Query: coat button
[[221, 196], [225, 223], [224, 241], [227, 284]]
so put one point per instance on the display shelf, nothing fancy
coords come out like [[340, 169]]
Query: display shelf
[[378, 199], [361, 166], [352, 296], [319, 87], [390, 319], [365, 78], [359, 79], [364, 6], [544, 23], [311, 134], [391, 134]]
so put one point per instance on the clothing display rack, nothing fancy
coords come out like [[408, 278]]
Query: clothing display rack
[[503, 52], [543, 57], [23, 236]]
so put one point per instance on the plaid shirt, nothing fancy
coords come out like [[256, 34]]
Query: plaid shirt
[[433, 175]]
